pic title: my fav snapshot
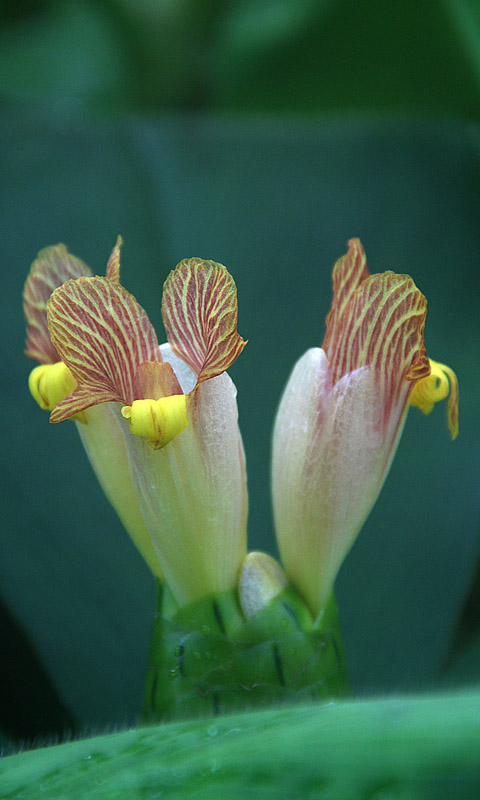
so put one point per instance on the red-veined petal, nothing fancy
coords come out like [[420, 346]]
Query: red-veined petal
[[382, 327], [103, 335], [52, 267], [113, 264], [348, 273], [199, 309], [154, 380]]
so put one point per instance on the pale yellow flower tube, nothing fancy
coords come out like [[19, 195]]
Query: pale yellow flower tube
[[192, 493]]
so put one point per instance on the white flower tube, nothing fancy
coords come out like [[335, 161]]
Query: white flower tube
[[180, 417], [193, 491], [341, 417], [101, 428]]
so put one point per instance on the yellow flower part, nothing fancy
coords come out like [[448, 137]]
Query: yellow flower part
[[185, 458], [50, 383], [106, 339], [159, 421], [435, 387]]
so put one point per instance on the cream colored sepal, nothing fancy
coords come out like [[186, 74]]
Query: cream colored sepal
[[158, 421], [261, 579], [50, 383]]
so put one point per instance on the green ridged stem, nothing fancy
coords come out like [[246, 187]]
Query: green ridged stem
[[206, 659], [412, 748]]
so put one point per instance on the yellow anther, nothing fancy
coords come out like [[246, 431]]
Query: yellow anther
[[435, 387], [50, 383], [159, 421]]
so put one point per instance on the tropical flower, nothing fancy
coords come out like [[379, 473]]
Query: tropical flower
[[341, 417], [179, 459], [160, 423], [100, 427]]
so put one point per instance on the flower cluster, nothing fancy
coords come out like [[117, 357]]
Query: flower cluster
[[160, 422]]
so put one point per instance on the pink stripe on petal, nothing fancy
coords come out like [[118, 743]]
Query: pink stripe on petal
[[113, 264], [155, 380], [80, 400], [52, 267], [382, 326], [199, 310], [103, 335], [348, 273]]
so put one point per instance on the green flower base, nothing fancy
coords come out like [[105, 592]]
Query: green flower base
[[207, 659]]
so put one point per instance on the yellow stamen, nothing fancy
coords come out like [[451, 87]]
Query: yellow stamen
[[435, 387], [159, 421], [50, 383]]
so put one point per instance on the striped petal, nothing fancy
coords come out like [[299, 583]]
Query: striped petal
[[113, 264], [155, 379], [52, 267], [382, 326], [348, 273], [103, 335], [342, 415], [199, 310]]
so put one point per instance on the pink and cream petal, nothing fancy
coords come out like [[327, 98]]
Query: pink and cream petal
[[342, 415], [113, 264], [52, 267], [103, 335], [199, 309], [330, 458], [155, 380], [382, 325], [81, 399], [348, 274]]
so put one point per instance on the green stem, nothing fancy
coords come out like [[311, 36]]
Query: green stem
[[206, 659]]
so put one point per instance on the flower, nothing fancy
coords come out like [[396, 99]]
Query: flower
[[181, 447], [341, 417], [100, 427], [160, 423]]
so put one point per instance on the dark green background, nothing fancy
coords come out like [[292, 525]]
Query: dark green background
[[383, 145]]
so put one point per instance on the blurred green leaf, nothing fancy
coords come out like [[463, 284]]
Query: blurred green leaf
[[66, 56], [403, 747], [262, 55], [341, 54]]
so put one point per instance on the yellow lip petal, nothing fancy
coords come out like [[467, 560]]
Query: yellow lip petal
[[50, 383], [435, 387], [158, 421]]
